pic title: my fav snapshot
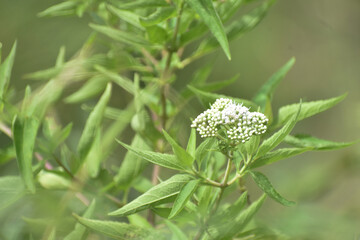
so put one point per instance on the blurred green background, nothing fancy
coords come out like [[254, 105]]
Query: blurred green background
[[323, 35]]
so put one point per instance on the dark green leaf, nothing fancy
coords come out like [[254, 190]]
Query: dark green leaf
[[11, 190], [160, 15], [24, 132], [208, 14], [5, 71], [307, 141], [179, 152], [183, 197], [161, 193]]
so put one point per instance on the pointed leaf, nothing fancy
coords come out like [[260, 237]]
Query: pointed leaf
[[179, 152], [127, 16], [142, 4], [183, 197], [161, 193], [5, 71], [160, 15], [123, 82], [11, 190], [208, 14], [177, 233], [60, 60], [61, 9], [204, 149], [191, 146]]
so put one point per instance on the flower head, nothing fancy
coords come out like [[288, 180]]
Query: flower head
[[238, 122]]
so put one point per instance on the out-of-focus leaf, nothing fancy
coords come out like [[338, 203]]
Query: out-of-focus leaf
[[207, 98], [132, 165], [118, 230], [140, 4], [179, 152], [121, 36], [237, 223], [161, 159], [308, 109], [177, 233], [208, 14], [308, 141], [161, 193], [91, 88], [203, 149], [92, 124], [6, 154], [11, 190], [266, 91], [52, 235], [53, 180], [127, 16], [5, 71], [263, 182], [44, 74], [156, 34], [138, 220], [228, 8], [160, 15], [277, 155], [183, 197], [123, 82], [191, 145], [271, 142], [60, 60], [95, 156], [24, 132], [79, 229], [61, 9]]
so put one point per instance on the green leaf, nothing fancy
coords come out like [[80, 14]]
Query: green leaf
[[5, 71], [79, 230], [161, 159], [95, 156], [53, 180], [266, 92], [183, 197], [263, 182], [118, 230], [161, 14], [11, 190], [138, 220], [308, 141], [60, 60], [157, 34], [178, 234], [161, 193], [207, 98], [61, 9], [208, 14], [7, 154], [91, 88], [204, 149], [277, 155], [121, 36], [132, 165], [123, 82], [24, 132], [191, 146], [127, 16], [271, 142], [92, 124], [179, 152], [141, 4], [44, 74], [308, 109]]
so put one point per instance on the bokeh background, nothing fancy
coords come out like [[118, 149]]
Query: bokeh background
[[323, 36]]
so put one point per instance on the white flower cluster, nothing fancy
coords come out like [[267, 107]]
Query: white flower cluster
[[240, 124]]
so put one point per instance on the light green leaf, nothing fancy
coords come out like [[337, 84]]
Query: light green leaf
[[5, 71], [263, 182], [91, 88], [267, 90], [191, 146], [177, 233], [121, 36], [161, 159], [277, 155], [308, 109], [308, 141], [164, 192], [79, 230], [138, 220], [183, 197], [127, 16], [53, 180], [52, 235], [11, 190], [208, 14], [92, 124], [157, 34], [60, 60], [179, 152], [271, 142], [24, 132], [123, 82], [160, 15], [141, 4], [7, 154], [61, 9], [118, 230], [132, 165], [46, 74], [204, 149], [95, 156]]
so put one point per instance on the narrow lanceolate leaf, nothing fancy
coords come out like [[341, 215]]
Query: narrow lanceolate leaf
[[278, 137], [141, 4], [266, 91], [278, 155], [127, 16], [64, 8], [80, 230], [161, 159], [60, 60], [183, 197], [237, 223], [92, 124], [263, 182], [95, 156], [179, 152], [24, 132], [208, 14], [191, 146], [5, 71], [123, 82], [121, 36], [204, 149], [177, 233], [164, 192], [315, 143], [132, 165], [160, 15], [118, 230], [308, 109], [11, 190]]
